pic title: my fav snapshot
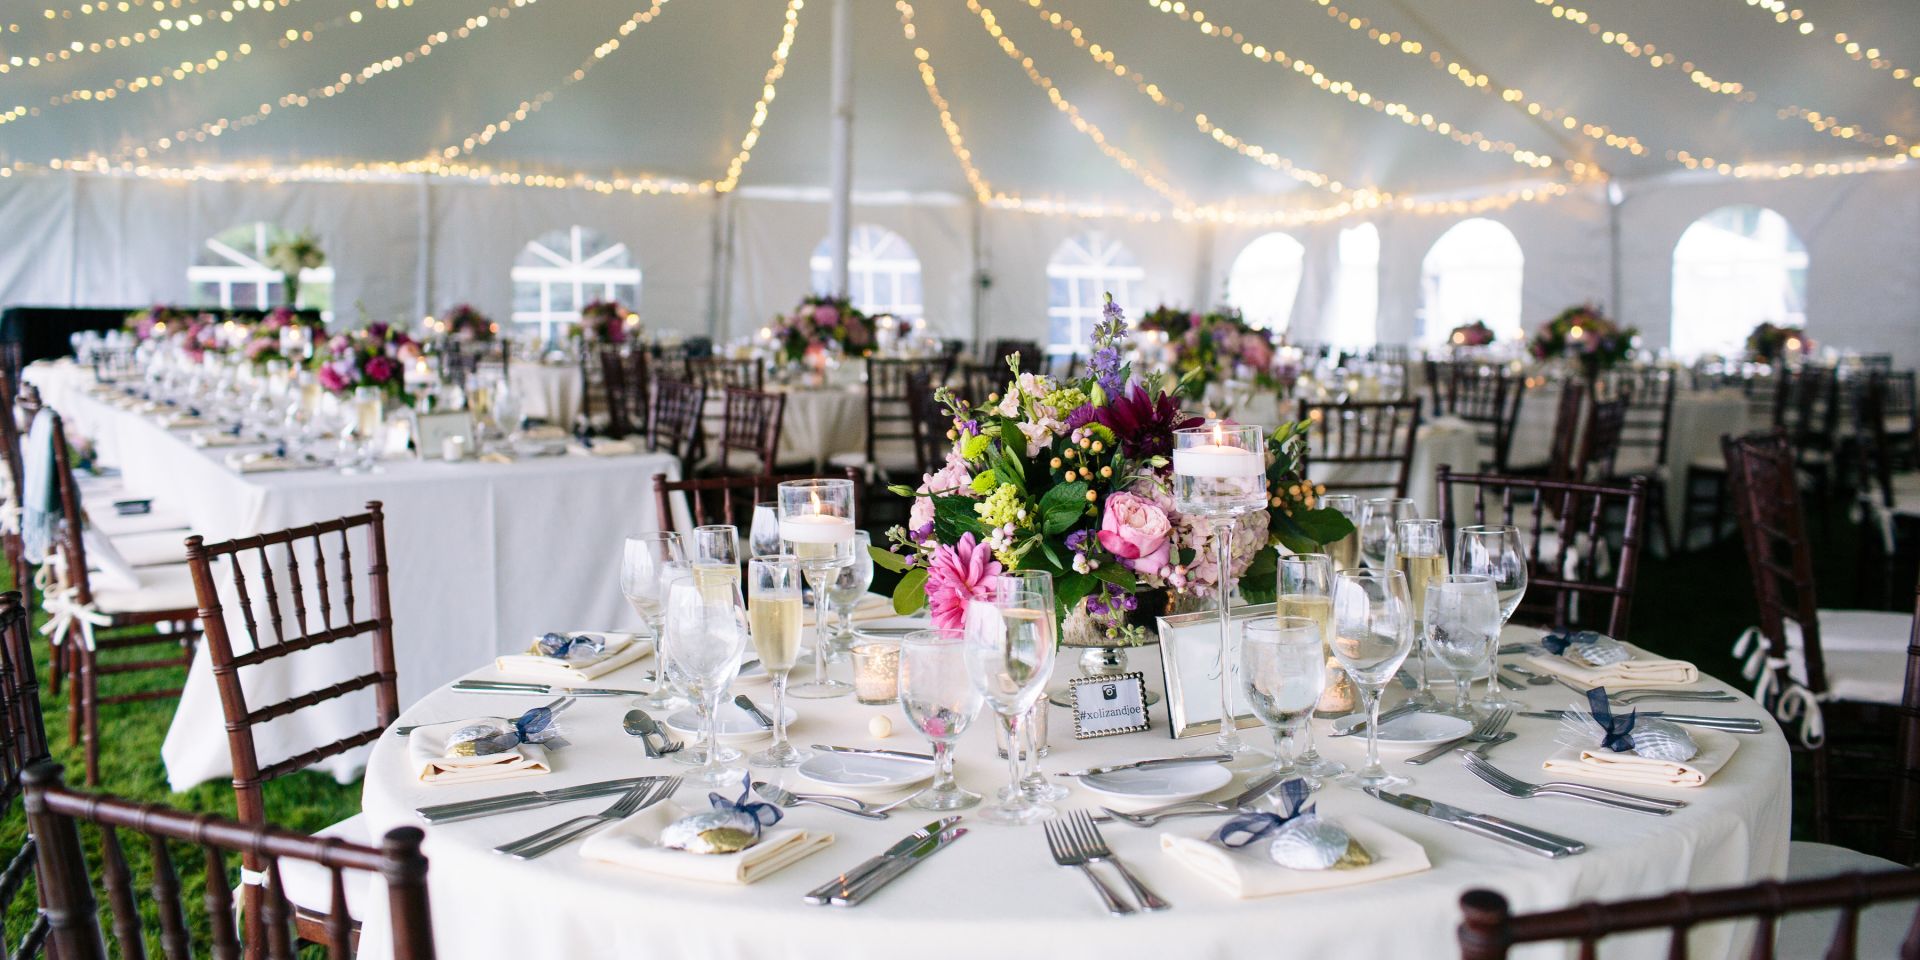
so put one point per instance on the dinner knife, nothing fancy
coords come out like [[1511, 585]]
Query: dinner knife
[[525, 800], [746, 703], [1399, 711], [1549, 845], [876, 752], [1729, 724], [504, 686], [889, 872], [843, 884], [1150, 764]]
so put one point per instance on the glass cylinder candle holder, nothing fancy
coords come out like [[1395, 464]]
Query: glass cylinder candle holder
[[1219, 469], [817, 526], [876, 670]]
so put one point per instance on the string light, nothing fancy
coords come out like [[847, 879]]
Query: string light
[[1795, 19], [982, 190], [767, 84], [88, 9], [532, 105], [1350, 92], [165, 25]]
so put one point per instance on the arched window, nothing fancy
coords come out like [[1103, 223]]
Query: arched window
[[1265, 278], [565, 270], [1356, 290], [883, 274], [1472, 273], [234, 269], [1082, 271], [1732, 270]]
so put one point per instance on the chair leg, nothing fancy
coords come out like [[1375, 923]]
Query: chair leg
[[87, 682], [1822, 813], [70, 668]]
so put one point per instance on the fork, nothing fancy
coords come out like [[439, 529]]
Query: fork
[[1093, 846], [1515, 787], [1485, 731], [559, 704], [1067, 854], [635, 800], [1634, 695]]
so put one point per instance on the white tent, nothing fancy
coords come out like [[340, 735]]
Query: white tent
[[428, 142]]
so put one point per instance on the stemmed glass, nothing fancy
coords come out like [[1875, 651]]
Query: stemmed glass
[[507, 412], [716, 554], [1009, 649], [1372, 633], [940, 701], [367, 415], [1305, 589], [816, 525], [844, 591], [706, 635], [763, 537], [1494, 550], [1379, 518], [1283, 671], [1462, 623], [1346, 550], [645, 560], [1219, 474], [1419, 553], [774, 613], [1038, 788]]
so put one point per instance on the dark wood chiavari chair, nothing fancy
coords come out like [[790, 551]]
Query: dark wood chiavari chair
[[1488, 397], [461, 359], [1600, 441], [1569, 529], [723, 373], [931, 423], [1390, 353], [1649, 416], [731, 499], [293, 566], [890, 432], [979, 381], [1807, 406], [675, 425], [1376, 439], [1566, 430], [618, 391], [55, 814], [1906, 794], [23, 743], [750, 424], [127, 618], [16, 479]]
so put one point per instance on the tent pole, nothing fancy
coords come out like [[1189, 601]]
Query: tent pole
[[840, 145]]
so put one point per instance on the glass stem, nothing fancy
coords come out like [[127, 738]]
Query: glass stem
[[1304, 734], [822, 607], [779, 712], [1229, 738], [1463, 688], [713, 729], [1373, 727], [1015, 796], [942, 767]]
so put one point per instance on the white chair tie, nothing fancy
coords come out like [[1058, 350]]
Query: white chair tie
[[65, 612], [1790, 702], [10, 519]]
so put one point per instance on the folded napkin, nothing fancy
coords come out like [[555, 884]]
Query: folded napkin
[[220, 438], [544, 434], [1246, 872], [492, 456], [871, 607], [1599, 763], [427, 749], [1644, 670], [613, 448], [621, 649], [261, 461], [634, 842]]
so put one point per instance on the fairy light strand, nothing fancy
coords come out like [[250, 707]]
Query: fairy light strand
[[165, 26], [1795, 19], [768, 84], [956, 141]]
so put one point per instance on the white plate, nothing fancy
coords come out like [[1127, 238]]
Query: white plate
[[859, 772], [736, 725], [1422, 730], [1181, 781]]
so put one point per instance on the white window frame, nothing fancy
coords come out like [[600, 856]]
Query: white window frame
[[243, 269], [596, 277], [876, 272], [1244, 271], [1091, 256], [1742, 271], [1484, 268], [1356, 315]]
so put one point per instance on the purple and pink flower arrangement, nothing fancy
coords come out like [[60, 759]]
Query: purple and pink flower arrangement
[[1583, 334], [1475, 334], [1213, 347], [820, 321], [603, 321], [465, 322], [373, 356]]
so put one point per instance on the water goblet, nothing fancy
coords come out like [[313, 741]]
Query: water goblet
[[706, 634], [848, 585], [1283, 671], [1379, 518], [1462, 622], [1494, 550], [645, 561], [1372, 633], [1009, 649], [1305, 589], [940, 700]]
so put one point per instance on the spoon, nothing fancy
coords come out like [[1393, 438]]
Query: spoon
[[1531, 677], [638, 724], [787, 798]]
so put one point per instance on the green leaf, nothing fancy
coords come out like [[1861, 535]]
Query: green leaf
[[1324, 525], [1069, 589], [1118, 575], [953, 517], [1062, 506], [1047, 546], [887, 559], [910, 594], [1258, 584]]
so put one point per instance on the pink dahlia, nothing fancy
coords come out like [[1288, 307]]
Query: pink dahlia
[[955, 575]]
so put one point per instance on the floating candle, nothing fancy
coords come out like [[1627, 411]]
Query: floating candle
[[1216, 460], [816, 528]]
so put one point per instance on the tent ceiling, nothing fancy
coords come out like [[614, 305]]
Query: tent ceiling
[[676, 97]]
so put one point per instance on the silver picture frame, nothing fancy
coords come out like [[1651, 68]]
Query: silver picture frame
[[1189, 657]]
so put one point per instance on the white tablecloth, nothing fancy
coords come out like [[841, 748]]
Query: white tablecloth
[[549, 392], [471, 547], [821, 422], [996, 891]]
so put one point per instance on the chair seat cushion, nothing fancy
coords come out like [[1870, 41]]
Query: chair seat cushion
[[157, 549], [1808, 934], [310, 886], [1865, 652], [109, 522], [161, 589]]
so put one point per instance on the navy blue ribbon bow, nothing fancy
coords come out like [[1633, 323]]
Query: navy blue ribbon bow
[[562, 647], [1618, 731], [764, 814], [1249, 827], [530, 726], [1557, 643]]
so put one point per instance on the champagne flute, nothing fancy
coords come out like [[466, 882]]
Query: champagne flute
[[707, 633], [1305, 589], [1009, 648], [1283, 671], [846, 588], [716, 554], [816, 525], [1346, 550], [645, 561], [1372, 633], [1494, 550], [1418, 553], [1378, 519], [940, 701], [1462, 622], [774, 614]]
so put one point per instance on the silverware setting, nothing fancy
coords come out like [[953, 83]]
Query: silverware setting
[[1632, 695], [509, 686], [1535, 679], [874, 752], [558, 835], [1192, 808], [639, 723], [844, 884], [1150, 764], [556, 706], [746, 703], [782, 797], [1508, 682], [1067, 852], [1485, 734], [1728, 724], [1361, 727], [527, 800], [867, 885], [1549, 845], [1515, 787]]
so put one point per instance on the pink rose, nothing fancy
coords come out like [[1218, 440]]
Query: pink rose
[[331, 380], [1137, 531], [1255, 351], [826, 315]]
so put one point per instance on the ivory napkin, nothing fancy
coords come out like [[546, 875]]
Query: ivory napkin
[[871, 607], [1247, 873], [634, 842], [1644, 670], [262, 461], [605, 448], [622, 649], [427, 748], [1599, 763], [181, 421], [220, 438]]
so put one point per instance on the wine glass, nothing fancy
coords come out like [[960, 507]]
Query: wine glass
[[1305, 589], [706, 633], [1462, 622], [1494, 550], [774, 614], [940, 701], [1009, 649], [1372, 633], [1418, 553], [1378, 518], [716, 553], [846, 588], [1283, 671], [816, 525], [364, 418], [1030, 748], [645, 561], [763, 537], [507, 411], [1346, 550]]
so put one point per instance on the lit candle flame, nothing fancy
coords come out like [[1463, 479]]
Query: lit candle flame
[[1219, 437], [815, 494]]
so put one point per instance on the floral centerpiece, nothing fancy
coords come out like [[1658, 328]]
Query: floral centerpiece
[[1475, 334], [464, 322], [375, 355], [158, 321], [603, 321], [267, 340], [1584, 335], [1212, 348], [1772, 343], [291, 255], [1073, 477], [817, 322]]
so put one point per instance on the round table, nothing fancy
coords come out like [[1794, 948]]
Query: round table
[[996, 891], [548, 391]]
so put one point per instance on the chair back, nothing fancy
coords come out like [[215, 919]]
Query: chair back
[[721, 373], [730, 499], [1566, 430], [462, 359], [1600, 441], [889, 413], [23, 743], [931, 423], [1807, 405], [1482, 395], [11, 401], [751, 425], [75, 930], [1763, 483], [1872, 449], [999, 350], [1643, 439], [1906, 792], [618, 390], [675, 427], [978, 381], [72, 541], [1567, 528], [1489, 929], [1375, 439]]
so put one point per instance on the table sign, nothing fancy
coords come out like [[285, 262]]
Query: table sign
[[1104, 706], [1189, 652], [432, 430]]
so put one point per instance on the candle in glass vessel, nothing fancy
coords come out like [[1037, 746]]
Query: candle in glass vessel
[[1217, 460]]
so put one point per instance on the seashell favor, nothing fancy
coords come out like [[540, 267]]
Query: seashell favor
[[481, 739], [1657, 739], [1309, 843], [714, 831], [1600, 651]]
